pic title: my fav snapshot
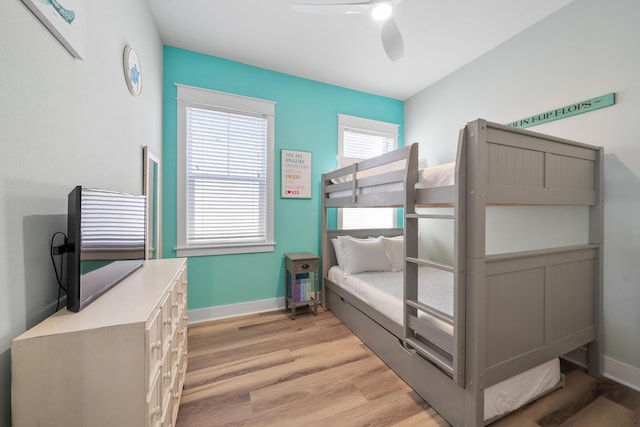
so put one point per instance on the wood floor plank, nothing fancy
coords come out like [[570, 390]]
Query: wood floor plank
[[269, 370], [618, 393], [309, 415], [516, 420], [323, 384], [603, 412], [383, 411], [313, 393], [300, 366], [556, 407], [234, 346], [237, 367], [223, 410], [427, 418]]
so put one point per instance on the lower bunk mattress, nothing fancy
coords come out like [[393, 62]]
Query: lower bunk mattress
[[383, 291]]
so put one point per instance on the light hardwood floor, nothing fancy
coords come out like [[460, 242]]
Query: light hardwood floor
[[269, 370]]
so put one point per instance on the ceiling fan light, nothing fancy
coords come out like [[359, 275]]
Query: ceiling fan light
[[382, 11]]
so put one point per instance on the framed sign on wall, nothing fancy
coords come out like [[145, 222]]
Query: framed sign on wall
[[66, 20], [296, 174]]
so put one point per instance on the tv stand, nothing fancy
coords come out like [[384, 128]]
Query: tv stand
[[119, 362]]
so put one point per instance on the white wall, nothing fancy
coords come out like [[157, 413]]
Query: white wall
[[64, 122], [587, 49]]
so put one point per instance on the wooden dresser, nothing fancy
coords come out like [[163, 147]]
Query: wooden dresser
[[121, 361]]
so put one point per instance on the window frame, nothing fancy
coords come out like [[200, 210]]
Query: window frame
[[189, 96], [371, 127]]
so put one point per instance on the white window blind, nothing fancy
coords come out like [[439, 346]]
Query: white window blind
[[363, 145], [113, 225], [363, 139], [226, 177], [228, 162]]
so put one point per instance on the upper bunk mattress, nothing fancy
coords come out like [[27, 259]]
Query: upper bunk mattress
[[432, 177]]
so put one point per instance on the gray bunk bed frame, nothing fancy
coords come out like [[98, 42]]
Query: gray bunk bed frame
[[554, 295]]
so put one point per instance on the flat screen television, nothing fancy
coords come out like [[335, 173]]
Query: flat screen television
[[105, 242]]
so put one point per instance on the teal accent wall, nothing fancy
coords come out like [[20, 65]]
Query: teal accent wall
[[306, 120]]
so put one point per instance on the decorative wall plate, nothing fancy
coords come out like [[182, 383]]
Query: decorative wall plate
[[132, 71]]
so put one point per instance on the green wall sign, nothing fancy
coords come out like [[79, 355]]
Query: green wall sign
[[567, 111]]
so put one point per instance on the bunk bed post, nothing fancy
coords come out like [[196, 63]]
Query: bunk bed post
[[324, 241], [410, 239], [596, 236], [459, 261], [475, 136]]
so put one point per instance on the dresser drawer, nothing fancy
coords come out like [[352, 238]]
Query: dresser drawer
[[154, 402], [167, 322], [153, 338], [176, 307]]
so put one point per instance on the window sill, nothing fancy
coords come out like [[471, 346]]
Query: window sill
[[188, 251]]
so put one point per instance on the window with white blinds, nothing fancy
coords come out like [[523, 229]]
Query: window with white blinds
[[363, 138], [112, 225], [226, 204]]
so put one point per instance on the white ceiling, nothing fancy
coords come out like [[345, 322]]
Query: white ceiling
[[440, 36]]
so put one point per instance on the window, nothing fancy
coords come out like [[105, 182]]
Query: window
[[225, 173], [362, 139]]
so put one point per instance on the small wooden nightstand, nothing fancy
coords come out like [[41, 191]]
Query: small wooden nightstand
[[301, 281]]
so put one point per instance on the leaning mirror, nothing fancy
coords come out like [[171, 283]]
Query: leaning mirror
[[152, 189]]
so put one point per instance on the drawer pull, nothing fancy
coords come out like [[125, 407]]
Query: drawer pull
[[304, 266], [156, 345]]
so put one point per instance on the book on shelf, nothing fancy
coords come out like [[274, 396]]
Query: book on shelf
[[302, 287]]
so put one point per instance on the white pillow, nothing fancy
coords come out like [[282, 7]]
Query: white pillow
[[394, 247], [359, 255], [346, 161], [337, 247]]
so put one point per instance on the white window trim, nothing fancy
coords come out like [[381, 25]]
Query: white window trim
[[193, 96], [374, 127], [361, 124]]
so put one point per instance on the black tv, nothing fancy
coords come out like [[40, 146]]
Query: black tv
[[105, 242]]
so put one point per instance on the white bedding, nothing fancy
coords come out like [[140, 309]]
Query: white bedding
[[436, 176], [384, 292]]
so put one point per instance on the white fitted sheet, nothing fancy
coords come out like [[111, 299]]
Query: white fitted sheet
[[384, 292]]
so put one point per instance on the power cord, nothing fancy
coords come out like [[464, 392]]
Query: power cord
[[58, 250]]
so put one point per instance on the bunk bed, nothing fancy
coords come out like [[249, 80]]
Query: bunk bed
[[510, 313]]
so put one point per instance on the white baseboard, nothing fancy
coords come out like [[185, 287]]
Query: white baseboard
[[622, 373], [234, 310], [613, 369]]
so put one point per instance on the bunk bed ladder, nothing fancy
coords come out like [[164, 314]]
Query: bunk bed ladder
[[445, 352]]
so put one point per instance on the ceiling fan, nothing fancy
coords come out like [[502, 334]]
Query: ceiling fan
[[380, 10]]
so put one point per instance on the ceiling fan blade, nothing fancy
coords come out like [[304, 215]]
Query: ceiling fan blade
[[331, 2], [392, 40], [332, 7]]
